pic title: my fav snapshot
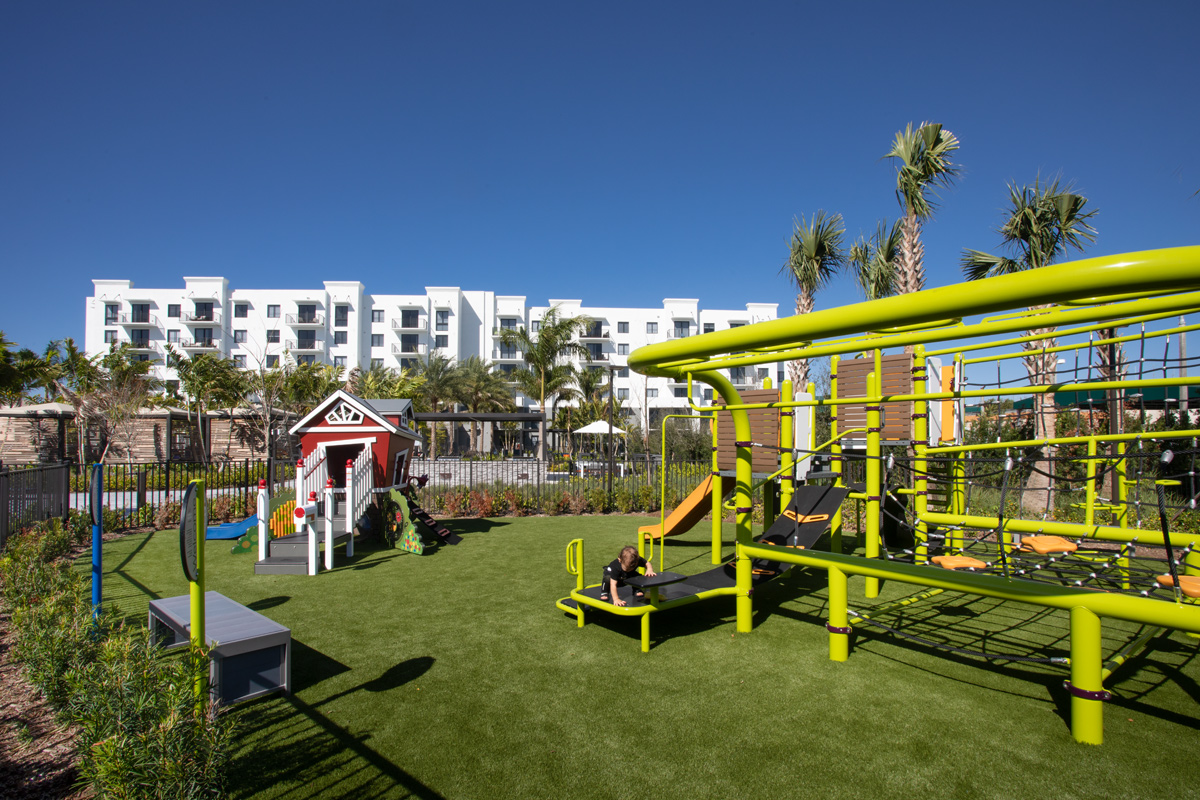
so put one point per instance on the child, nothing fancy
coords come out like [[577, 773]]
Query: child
[[623, 566]]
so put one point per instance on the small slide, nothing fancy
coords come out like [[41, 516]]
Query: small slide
[[690, 511], [232, 530]]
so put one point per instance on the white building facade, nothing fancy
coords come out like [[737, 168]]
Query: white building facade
[[343, 325]]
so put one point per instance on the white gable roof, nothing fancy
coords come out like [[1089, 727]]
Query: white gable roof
[[311, 419]]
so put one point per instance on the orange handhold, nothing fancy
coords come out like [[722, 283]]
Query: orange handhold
[[1045, 545], [1188, 584], [958, 562]]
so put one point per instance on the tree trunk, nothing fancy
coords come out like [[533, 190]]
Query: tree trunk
[[1041, 367], [798, 368], [910, 261]]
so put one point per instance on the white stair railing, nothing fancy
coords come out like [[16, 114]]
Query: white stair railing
[[329, 490], [360, 481], [309, 476]]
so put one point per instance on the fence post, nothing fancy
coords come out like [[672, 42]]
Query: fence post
[[3, 507]]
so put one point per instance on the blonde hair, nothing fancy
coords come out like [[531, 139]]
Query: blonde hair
[[629, 555]]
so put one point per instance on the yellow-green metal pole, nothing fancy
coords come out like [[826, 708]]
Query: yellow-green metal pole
[[1087, 708], [958, 498], [839, 623], [718, 497], [921, 438], [835, 450], [196, 591], [1120, 481], [787, 440], [874, 490], [1089, 497]]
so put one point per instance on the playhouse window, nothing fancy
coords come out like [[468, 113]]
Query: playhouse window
[[344, 414]]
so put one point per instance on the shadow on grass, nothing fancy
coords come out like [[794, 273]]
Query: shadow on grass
[[392, 678], [290, 743], [310, 667], [268, 602]]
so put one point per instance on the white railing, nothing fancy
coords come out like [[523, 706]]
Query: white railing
[[309, 478], [360, 481]]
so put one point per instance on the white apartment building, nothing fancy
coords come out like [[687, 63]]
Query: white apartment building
[[343, 325]]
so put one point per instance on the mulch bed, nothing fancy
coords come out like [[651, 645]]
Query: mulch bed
[[37, 752]]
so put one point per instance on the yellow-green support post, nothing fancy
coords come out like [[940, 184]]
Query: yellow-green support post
[[787, 440], [718, 498], [835, 452], [196, 590], [1089, 497], [921, 444], [839, 622], [874, 490], [1120, 481], [958, 498], [575, 567], [1086, 686]]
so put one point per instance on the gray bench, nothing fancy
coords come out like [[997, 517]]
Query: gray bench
[[251, 655]]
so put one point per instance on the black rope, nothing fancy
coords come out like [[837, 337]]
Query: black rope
[[963, 650]]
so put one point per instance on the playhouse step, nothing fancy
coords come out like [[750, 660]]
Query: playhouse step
[[284, 565], [296, 544], [422, 516]]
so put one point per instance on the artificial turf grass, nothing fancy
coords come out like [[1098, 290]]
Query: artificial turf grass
[[454, 675]]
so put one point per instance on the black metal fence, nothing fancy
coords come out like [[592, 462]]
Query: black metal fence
[[32, 494]]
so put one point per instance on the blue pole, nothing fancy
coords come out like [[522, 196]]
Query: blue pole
[[97, 539]]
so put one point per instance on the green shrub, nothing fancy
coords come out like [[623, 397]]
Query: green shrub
[[167, 515]]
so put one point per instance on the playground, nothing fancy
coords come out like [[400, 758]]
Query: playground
[[453, 676], [918, 597]]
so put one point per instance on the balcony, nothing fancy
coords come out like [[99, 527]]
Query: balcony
[[674, 334], [421, 324], [211, 318], [409, 350], [596, 358], [304, 345], [197, 344], [506, 355], [140, 345], [497, 331], [594, 334], [137, 320], [305, 320]]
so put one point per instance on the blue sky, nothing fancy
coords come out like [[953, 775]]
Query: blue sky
[[619, 152]]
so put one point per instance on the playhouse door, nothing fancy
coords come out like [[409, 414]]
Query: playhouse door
[[336, 457]]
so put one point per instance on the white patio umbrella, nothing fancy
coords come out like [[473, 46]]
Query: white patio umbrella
[[600, 426]]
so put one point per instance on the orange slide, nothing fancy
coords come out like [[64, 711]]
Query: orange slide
[[689, 512]]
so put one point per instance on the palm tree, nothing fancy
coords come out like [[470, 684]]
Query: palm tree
[[874, 261], [206, 382], [546, 355], [924, 163], [481, 390], [1041, 225], [815, 255], [440, 378]]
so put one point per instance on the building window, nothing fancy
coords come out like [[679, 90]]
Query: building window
[[376, 340], [681, 391], [241, 310], [306, 360], [507, 370], [173, 309], [239, 362], [441, 341], [708, 395], [622, 394], [709, 327], [272, 362], [408, 363], [652, 393], [408, 342], [306, 340], [110, 337], [622, 349], [112, 313], [623, 372], [139, 312], [683, 329], [173, 337], [341, 316], [779, 376], [273, 337], [535, 326], [733, 325], [204, 336], [239, 337], [172, 386], [377, 315], [409, 318], [622, 327], [139, 338], [204, 310], [594, 351], [272, 312], [443, 319], [763, 372], [651, 327], [307, 313], [508, 324], [140, 357], [376, 363], [339, 361], [507, 351], [339, 337], [737, 374]]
